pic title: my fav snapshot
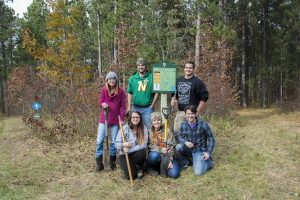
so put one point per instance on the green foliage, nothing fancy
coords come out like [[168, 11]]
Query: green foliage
[[60, 59], [265, 32], [35, 21], [83, 31], [271, 42], [221, 30], [7, 33]]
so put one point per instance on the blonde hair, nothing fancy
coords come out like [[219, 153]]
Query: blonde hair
[[155, 116], [111, 90]]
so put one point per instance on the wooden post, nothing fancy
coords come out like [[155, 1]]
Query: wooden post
[[163, 103]]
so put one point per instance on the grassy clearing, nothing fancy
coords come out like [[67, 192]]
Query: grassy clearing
[[256, 157]]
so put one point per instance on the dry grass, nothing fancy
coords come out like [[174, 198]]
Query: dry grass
[[256, 157]]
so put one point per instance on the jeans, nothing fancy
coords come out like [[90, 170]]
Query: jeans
[[155, 160], [146, 114], [174, 172], [200, 165], [100, 139]]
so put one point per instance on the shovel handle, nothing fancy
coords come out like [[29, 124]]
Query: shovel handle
[[106, 113], [166, 132], [126, 155]]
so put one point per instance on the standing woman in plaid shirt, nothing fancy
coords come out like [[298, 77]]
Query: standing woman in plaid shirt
[[196, 143]]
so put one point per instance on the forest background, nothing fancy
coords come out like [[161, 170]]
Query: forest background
[[247, 53]]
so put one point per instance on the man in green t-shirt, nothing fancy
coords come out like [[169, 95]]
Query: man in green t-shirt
[[140, 96]]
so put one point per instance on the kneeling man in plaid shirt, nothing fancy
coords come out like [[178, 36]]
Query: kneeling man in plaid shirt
[[196, 143]]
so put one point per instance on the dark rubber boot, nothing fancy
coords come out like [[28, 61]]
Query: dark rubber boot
[[99, 164], [112, 162]]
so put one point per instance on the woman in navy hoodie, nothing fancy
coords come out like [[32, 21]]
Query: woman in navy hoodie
[[111, 97]]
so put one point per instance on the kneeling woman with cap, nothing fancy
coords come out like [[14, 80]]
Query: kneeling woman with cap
[[136, 139], [161, 153], [113, 98]]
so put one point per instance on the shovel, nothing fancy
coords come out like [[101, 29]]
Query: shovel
[[165, 158], [106, 141], [166, 113]]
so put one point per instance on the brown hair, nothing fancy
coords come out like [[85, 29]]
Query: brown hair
[[190, 62], [140, 127], [191, 108]]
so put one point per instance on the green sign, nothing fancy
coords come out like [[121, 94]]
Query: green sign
[[164, 77]]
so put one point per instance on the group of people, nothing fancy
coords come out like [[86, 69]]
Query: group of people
[[145, 142]]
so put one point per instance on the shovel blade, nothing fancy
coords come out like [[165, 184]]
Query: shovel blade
[[106, 158]]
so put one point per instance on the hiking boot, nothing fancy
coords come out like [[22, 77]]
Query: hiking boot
[[140, 175], [99, 164], [112, 162], [184, 167]]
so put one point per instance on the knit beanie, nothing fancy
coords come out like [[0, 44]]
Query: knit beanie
[[111, 75], [140, 61]]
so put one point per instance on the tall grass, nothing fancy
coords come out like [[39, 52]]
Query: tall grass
[[255, 158]]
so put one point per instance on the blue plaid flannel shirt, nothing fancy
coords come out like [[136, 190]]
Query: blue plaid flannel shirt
[[201, 136]]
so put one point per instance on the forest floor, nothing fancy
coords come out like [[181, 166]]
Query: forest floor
[[257, 156]]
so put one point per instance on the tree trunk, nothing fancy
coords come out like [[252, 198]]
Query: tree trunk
[[115, 53], [299, 85], [298, 64], [221, 6], [281, 86], [197, 48], [236, 75], [221, 10], [250, 95], [2, 95], [99, 44], [160, 42], [124, 80], [281, 78], [264, 53], [3, 77], [243, 74], [264, 92]]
